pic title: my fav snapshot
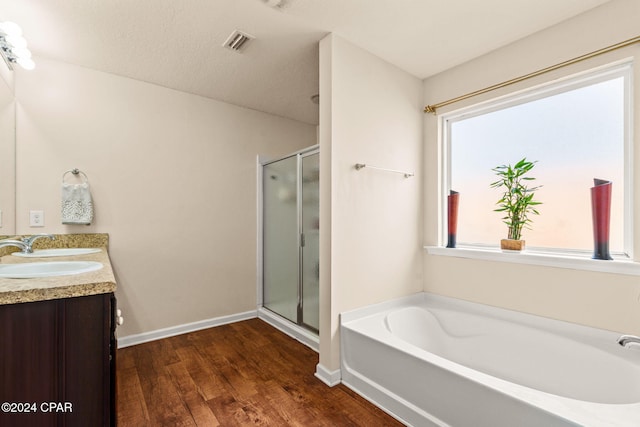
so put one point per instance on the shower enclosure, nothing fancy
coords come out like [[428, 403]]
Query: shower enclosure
[[290, 210]]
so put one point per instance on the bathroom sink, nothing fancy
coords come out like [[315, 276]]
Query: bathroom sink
[[47, 269], [40, 253]]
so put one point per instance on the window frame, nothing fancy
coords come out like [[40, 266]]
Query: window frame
[[574, 81]]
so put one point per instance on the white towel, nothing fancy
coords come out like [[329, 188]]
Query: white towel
[[77, 206]]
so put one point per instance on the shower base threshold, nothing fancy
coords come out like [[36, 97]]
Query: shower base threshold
[[297, 332]]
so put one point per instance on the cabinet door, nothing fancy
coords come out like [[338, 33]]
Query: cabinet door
[[85, 322], [29, 363]]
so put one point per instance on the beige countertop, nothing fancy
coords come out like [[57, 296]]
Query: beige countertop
[[47, 288]]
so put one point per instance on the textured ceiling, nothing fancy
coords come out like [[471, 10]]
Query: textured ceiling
[[178, 43]]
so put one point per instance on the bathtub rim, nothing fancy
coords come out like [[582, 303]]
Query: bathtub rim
[[568, 330]]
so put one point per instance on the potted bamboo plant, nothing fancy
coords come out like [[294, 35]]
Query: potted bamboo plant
[[516, 202]]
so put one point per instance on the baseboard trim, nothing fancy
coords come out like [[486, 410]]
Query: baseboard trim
[[330, 378], [130, 340], [305, 337]]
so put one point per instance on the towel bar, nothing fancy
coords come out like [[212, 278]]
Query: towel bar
[[362, 165], [76, 172]]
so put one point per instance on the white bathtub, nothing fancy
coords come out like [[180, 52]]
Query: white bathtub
[[436, 361]]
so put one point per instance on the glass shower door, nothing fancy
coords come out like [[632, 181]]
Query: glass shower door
[[309, 254], [281, 239]]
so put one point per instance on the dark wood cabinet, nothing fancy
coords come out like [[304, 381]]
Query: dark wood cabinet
[[57, 362]]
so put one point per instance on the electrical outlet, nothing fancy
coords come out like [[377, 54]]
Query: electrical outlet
[[36, 218]]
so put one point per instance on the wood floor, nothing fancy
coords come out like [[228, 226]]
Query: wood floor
[[242, 374]]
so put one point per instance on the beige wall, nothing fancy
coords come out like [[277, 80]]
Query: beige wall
[[608, 301], [173, 177], [370, 114]]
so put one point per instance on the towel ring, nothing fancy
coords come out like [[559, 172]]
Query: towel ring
[[76, 172]]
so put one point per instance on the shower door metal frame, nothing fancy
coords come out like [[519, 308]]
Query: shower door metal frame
[[302, 239], [299, 156]]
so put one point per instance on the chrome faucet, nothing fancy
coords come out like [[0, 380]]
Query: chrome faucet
[[28, 241], [625, 340], [11, 242]]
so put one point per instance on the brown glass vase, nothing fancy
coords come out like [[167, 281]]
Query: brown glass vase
[[452, 218], [601, 213]]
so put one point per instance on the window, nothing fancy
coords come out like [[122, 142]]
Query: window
[[576, 129]]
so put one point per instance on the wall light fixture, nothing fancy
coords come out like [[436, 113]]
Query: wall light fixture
[[13, 47]]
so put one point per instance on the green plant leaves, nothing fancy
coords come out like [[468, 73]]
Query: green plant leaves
[[517, 200]]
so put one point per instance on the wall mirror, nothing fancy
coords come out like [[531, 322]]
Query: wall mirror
[[7, 157]]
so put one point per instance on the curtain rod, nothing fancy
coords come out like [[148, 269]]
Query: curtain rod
[[432, 108]]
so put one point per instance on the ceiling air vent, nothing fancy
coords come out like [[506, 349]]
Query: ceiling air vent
[[237, 40]]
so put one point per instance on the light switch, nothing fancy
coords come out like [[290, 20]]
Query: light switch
[[36, 218], [0, 219]]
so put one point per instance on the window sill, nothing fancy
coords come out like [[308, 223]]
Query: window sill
[[627, 267]]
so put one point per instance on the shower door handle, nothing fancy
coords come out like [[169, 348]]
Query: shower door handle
[[302, 241]]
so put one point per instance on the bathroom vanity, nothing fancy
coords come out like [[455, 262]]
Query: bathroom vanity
[[58, 346]]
